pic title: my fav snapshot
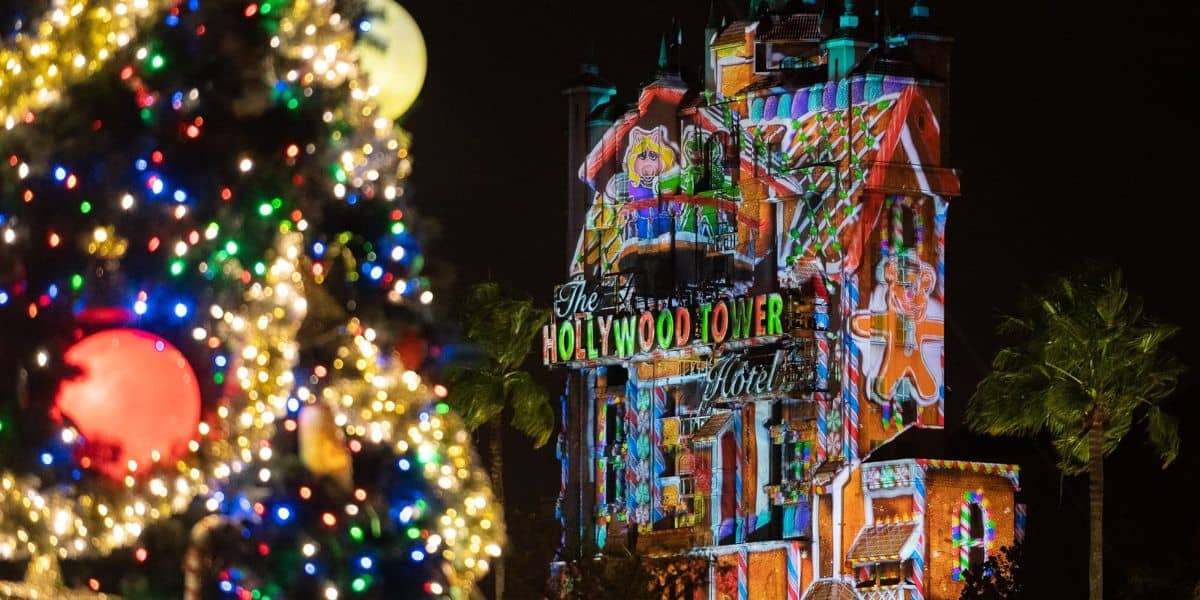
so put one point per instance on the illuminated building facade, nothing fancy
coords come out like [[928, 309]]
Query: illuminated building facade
[[755, 311]]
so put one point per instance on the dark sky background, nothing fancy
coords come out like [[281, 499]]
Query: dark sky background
[[1072, 125]]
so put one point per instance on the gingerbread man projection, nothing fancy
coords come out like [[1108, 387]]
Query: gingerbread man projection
[[904, 329]]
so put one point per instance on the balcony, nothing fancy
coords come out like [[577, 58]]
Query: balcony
[[891, 592]]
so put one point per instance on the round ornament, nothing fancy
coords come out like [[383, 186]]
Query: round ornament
[[392, 52], [411, 348], [135, 401]]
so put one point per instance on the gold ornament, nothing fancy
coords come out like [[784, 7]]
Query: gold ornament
[[322, 446], [105, 243]]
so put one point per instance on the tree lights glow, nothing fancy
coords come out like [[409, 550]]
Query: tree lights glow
[[227, 260]]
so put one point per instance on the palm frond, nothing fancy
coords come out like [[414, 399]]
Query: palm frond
[[1163, 430], [532, 413], [477, 395], [1084, 356]]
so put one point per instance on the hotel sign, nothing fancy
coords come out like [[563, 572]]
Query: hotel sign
[[746, 374], [581, 331]]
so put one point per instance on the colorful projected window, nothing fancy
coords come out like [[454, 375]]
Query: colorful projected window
[[612, 444], [973, 533]]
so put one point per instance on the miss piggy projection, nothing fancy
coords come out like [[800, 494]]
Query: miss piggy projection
[[651, 167]]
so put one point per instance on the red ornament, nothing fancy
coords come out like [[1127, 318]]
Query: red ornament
[[412, 348], [136, 395]]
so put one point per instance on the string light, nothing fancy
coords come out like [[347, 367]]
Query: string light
[[66, 46], [375, 402]]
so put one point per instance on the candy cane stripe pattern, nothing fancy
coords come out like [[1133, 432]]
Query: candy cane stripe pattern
[[194, 563], [822, 366], [743, 587], [918, 576], [961, 527], [852, 370], [822, 427], [660, 463], [793, 571]]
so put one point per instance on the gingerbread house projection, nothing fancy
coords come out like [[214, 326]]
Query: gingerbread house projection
[[756, 306]]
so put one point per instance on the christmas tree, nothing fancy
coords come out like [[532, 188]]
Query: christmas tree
[[208, 261]]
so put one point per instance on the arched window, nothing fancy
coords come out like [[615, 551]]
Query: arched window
[[975, 540], [973, 534]]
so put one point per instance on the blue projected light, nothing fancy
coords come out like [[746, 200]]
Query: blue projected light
[[60, 173], [310, 568], [283, 514], [47, 459], [366, 562], [181, 310], [140, 307], [364, 25]]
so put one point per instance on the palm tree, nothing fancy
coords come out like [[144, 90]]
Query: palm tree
[[1087, 366], [504, 328]]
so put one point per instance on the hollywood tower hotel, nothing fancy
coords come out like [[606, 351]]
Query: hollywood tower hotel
[[754, 311]]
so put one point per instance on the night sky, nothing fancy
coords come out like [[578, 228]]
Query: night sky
[[1070, 123]]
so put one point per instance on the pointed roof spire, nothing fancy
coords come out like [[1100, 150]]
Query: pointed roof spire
[[714, 20], [662, 55], [849, 20], [675, 46]]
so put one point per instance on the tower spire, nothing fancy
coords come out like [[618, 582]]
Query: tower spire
[[714, 20], [848, 20], [662, 55]]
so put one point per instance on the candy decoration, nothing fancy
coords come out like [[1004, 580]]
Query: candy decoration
[[631, 462], [851, 389], [737, 482], [194, 563], [822, 365], [1019, 523], [793, 571], [960, 531], [743, 587], [918, 575]]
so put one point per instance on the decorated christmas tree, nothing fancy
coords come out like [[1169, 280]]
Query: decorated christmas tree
[[211, 293]]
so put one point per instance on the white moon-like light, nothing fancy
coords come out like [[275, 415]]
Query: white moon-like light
[[393, 54]]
